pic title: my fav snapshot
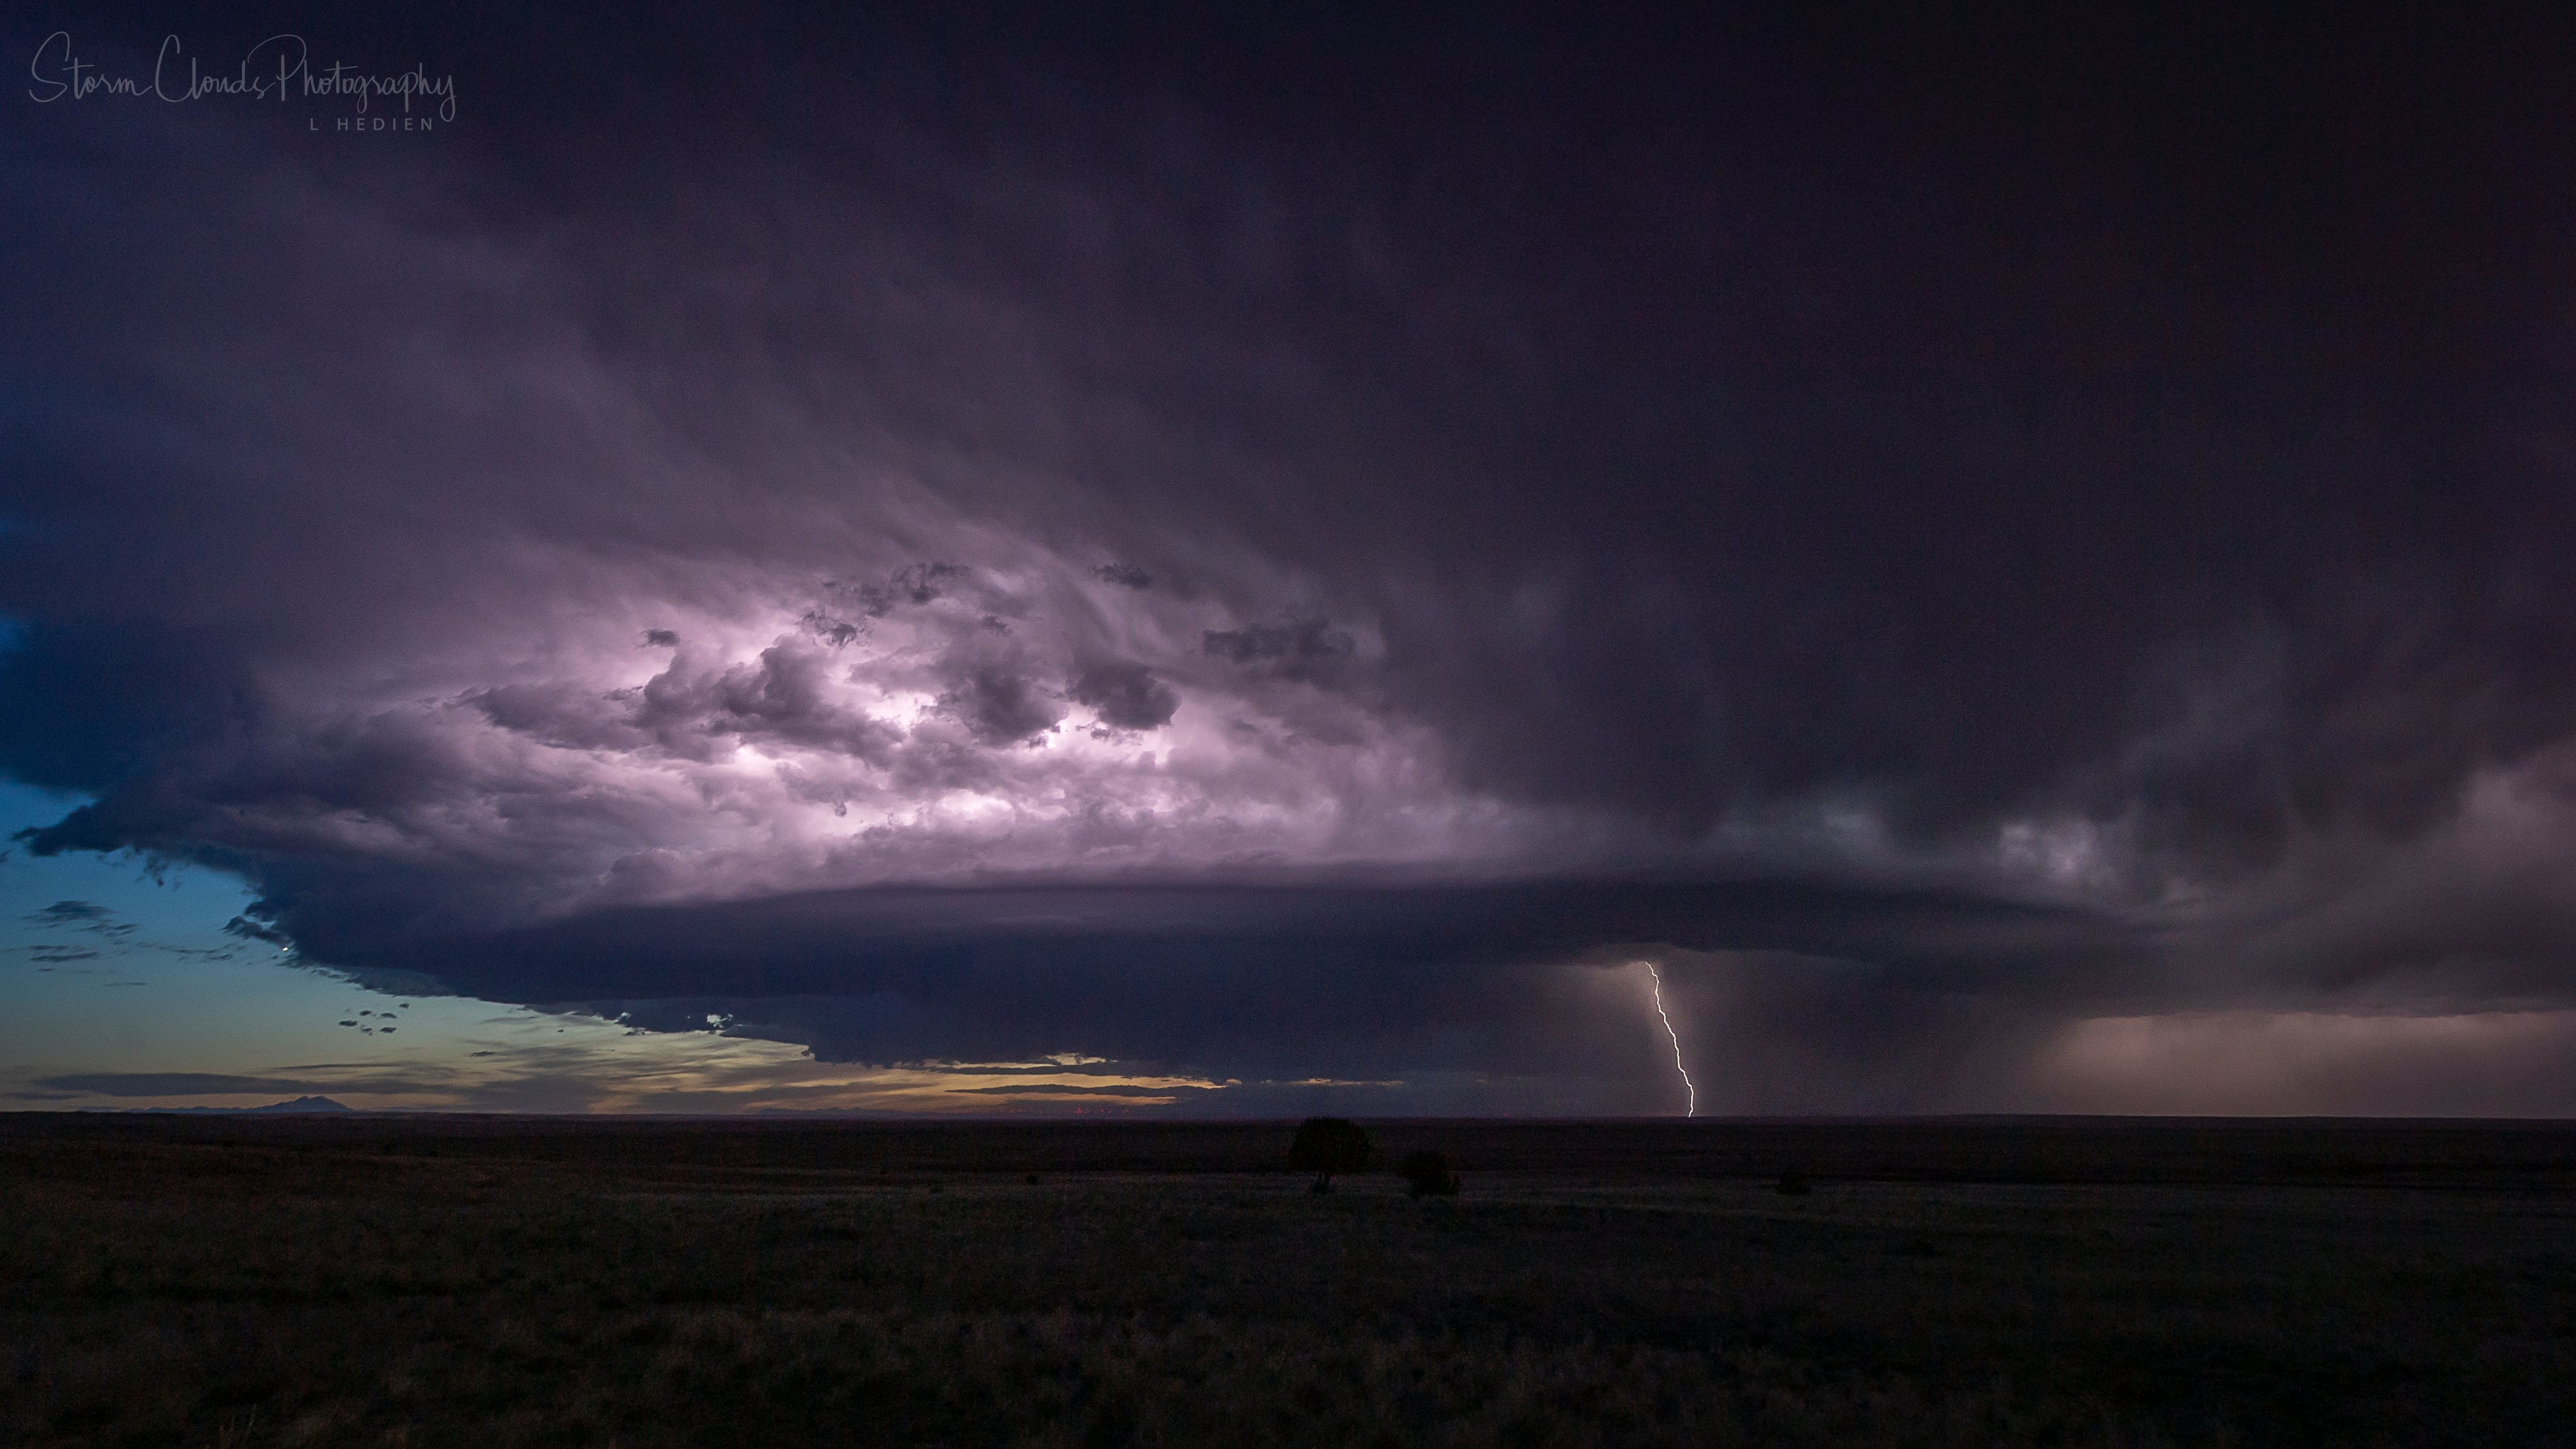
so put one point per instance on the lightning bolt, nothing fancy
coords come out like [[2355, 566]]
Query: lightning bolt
[[1658, 978]]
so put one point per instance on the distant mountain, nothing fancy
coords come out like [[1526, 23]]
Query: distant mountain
[[301, 1106]]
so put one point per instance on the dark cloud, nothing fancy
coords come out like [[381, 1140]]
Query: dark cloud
[[168, 1084], [917, 583], [1127, 696], [87, 917], [1001, 706], [2103, 474], [372, 1081], [1299, 642], [89, 700], [781, 696], [1183, 1092], [1248, 981], [251, 930]]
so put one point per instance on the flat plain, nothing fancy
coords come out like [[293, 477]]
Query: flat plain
[[174, 1280]]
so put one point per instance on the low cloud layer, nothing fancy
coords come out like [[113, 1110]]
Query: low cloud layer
[[1107, 544]]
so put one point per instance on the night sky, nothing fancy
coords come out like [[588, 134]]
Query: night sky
[[1254, 561]]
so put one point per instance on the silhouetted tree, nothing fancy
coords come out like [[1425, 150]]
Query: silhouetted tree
[[1427, 1174], [1326, 1145]]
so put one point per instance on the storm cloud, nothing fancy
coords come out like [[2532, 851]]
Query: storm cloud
[[1284, 546]]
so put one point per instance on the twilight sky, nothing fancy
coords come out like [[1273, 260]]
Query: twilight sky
[[1253, 563]]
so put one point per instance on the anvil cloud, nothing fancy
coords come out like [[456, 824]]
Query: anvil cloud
[[1278, 547]]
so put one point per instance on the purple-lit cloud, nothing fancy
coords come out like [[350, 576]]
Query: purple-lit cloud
[[1054, 551]]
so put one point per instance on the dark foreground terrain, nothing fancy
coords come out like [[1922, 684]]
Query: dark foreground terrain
[[431, 1281]]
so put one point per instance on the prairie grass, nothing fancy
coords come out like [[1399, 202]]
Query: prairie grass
[[264, 1285]]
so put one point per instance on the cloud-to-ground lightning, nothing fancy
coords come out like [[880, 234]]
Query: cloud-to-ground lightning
[[1658, 978]]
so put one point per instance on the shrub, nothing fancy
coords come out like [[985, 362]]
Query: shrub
[[1427, 1174], [1327, 1145]]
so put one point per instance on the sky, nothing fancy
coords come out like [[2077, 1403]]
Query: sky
[[1236, 562]]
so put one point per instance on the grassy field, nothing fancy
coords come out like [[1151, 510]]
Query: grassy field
[[178, 1281]]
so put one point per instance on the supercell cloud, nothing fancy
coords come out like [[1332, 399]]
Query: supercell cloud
[[1287, 548]]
